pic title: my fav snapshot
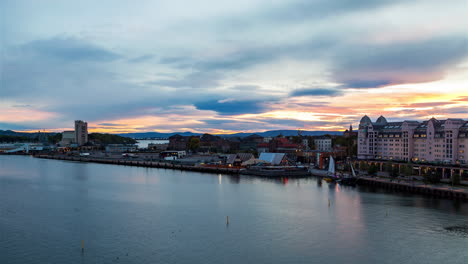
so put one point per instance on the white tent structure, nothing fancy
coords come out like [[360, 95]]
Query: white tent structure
[[273, 158]]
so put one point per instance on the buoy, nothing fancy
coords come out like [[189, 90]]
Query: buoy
[[227, 220]]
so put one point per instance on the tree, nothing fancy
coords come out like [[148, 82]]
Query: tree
[[407, 170], [54, 139], [311, 142], [297, 139], [431, 176], [106, 139], [193, 144], [373, 169]]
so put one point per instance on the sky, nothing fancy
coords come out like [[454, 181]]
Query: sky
[[220, 66]]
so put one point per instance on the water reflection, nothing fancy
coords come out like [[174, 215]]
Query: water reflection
[[169, 216]]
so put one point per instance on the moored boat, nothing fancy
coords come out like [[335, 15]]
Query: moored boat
[[276, 171]]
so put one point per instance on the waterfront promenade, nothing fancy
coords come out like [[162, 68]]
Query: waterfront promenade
[[419, 187], [141, 163]]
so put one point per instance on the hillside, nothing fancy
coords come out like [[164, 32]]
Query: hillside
[[272, 133]]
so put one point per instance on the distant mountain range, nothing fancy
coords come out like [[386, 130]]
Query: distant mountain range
[[272, 133]]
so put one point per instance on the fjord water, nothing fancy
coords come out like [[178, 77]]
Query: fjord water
[[145, 215]]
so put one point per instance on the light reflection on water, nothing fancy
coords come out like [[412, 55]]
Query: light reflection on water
[[141, 215]]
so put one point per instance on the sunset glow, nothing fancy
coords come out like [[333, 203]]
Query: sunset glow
[[255, 66]]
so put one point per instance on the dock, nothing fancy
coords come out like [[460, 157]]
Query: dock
[[438, 191], [147, 164]]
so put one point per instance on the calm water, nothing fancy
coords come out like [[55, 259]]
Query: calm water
[[139, 215]]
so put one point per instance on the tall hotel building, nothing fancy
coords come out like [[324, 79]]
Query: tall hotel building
[[438, 141], [81, 132]]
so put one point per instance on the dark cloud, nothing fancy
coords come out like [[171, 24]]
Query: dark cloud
[[456, 110], [232, 107], [369, 66], [15, 126], [143, 58], [110, 124], [366, 83], [69, 49], [317, 92]]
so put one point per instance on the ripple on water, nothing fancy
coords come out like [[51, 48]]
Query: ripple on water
[[461, 230]]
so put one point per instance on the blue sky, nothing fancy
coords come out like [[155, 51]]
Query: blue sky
[[228, 66]]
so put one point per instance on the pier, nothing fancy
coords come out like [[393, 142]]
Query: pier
[[439, 191], [148, 164]]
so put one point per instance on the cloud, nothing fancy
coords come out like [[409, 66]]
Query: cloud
[[15, 126], [244, 88], [428, 104], [69, 49], [143, 58], [197, 79], [229, 61], [317, 92], [232, 107], [457, 110], [22, 105], [110, 124], [367, 83], [321, 9], [461, 99], [370, 66]]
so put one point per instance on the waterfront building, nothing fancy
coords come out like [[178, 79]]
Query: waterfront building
[[177, 154], [274, 158], [81, 132], [349, 132], [279, 144], [323, 143], [434, 141], [178, 142], [157, 147], [238, 159], [119, 148], [250, 143], [68, 138]]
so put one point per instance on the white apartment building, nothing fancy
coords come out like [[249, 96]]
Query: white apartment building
[[323, 144], [440, 141]]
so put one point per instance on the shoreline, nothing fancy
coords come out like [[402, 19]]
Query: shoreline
[[435, 191], [148, 164]]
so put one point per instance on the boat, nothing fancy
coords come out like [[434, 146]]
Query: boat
[[276, 171], [331, 174], [350, 180]]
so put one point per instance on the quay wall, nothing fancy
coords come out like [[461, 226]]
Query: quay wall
[[149, 164], [429, 190]]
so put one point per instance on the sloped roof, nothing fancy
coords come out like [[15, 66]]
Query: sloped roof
[[381, 120], [273, 158], [365, 119]]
